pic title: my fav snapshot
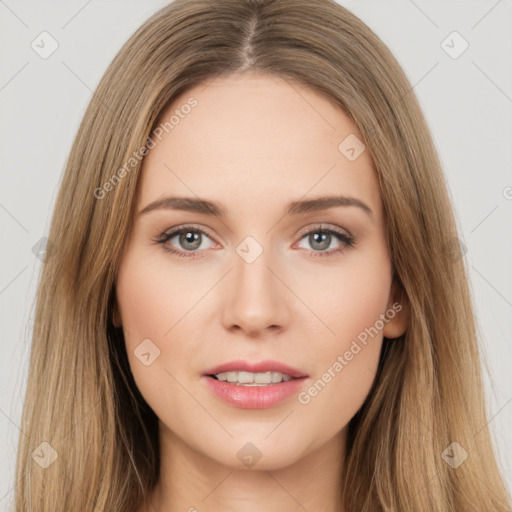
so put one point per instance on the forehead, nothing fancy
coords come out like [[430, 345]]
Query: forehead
[[255, 138]]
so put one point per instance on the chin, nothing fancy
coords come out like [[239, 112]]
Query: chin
[[256, 452]]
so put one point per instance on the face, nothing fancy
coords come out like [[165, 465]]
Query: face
[[280, 283]]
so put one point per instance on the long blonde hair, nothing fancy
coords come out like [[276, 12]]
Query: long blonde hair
[[81, 397]]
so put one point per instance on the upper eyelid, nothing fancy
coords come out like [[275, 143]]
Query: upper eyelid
[[322, 226], [319, 226], [174, 231]]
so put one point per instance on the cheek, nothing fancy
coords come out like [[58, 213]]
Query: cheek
[[148, 316], [157, 307], [347, 355], [337, 393], [347, 299], [143, 308], [153, 297], [357, 305]]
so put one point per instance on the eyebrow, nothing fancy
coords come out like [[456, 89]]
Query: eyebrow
[[197, 205]]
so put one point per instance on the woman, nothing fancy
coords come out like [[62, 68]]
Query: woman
[[194, 347]]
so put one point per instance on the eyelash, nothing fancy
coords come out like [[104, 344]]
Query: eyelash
[[347, 240]]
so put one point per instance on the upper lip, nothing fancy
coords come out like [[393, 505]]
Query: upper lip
[[256, 367]]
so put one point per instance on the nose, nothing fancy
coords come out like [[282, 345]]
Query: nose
[[256, 299]]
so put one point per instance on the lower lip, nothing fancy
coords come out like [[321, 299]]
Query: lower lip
[[254, 397]]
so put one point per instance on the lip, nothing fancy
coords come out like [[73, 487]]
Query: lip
[[254, 397], [256, 367]]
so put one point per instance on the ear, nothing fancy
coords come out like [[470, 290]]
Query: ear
[[398, 312]]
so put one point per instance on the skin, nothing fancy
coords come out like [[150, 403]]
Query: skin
[[254, 143]]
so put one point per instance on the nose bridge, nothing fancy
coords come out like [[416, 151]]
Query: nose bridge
[[255, 297]]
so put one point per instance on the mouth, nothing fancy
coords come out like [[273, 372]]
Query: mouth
[[242, 378], [254, 385]]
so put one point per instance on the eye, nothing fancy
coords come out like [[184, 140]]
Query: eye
[[320, 238], [189, 239]]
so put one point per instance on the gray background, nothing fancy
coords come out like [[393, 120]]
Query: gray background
[[467, 101]]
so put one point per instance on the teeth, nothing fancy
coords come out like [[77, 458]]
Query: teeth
[[253, 379], [263, 378]]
